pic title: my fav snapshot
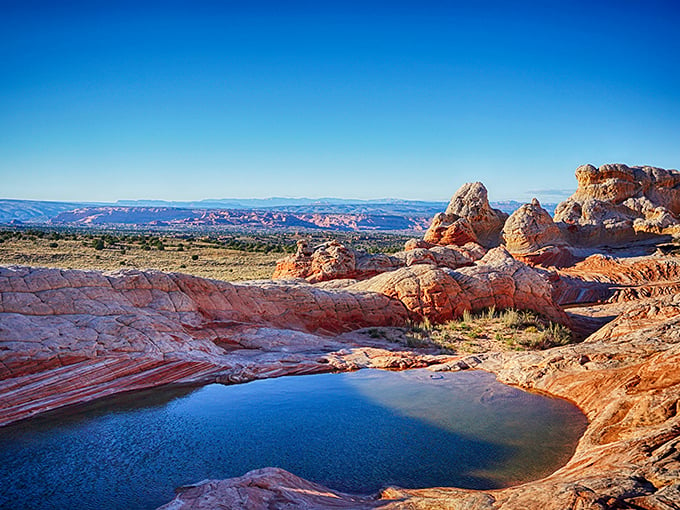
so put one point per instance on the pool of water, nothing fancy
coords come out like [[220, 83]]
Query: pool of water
[[356, 432]]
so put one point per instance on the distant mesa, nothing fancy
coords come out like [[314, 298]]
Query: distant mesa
[[332, 214]]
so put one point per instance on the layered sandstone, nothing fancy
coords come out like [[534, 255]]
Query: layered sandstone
[[69, 336], [616, 204], [611, 279], [468, 218]]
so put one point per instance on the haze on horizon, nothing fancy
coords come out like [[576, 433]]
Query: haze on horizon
[[197, 100]]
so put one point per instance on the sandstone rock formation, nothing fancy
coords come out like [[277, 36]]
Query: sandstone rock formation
[[468, 218], [610, 279], [531, 235], [334, 261], [270, 488], [331, 261], [69, 336], [616, 204], [441, 293]]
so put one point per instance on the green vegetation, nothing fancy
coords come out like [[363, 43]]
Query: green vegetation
[[212, 253], [492, 330]]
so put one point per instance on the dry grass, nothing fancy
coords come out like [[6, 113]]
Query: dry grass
[[211, 261], [492, 331]]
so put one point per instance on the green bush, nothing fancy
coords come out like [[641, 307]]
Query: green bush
[[98, 244], [194, 257]]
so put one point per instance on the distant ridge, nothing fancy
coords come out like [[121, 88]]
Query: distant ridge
[[271, 213], [280, 203]]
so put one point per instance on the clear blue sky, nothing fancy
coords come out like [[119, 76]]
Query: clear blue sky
[[190, 100]]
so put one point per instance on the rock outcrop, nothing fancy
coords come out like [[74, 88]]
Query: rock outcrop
[[616, 204], [468, 218], [68, 336], [331, 261], [531, 235], [334, 261], [441, 293]]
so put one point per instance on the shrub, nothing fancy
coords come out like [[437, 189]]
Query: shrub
[[98, 244], [53, 245], [194, 257]]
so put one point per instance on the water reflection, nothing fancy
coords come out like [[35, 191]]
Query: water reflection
[[355, 432]]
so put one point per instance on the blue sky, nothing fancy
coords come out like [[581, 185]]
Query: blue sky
[[191, 100]]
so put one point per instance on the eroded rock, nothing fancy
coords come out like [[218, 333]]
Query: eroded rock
[[531, 235], [468, 218], [616, 204], [331, 261], [441, 294]]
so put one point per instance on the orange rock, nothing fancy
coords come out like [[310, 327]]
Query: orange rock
[[531, 235], [440, 294], [617, 204], [332, 261], [468, 218]]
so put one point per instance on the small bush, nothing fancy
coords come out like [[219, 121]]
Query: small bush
[[53, 245], [511, 318], [556, 334], [194, 257], [376, 333], [98, 244]]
